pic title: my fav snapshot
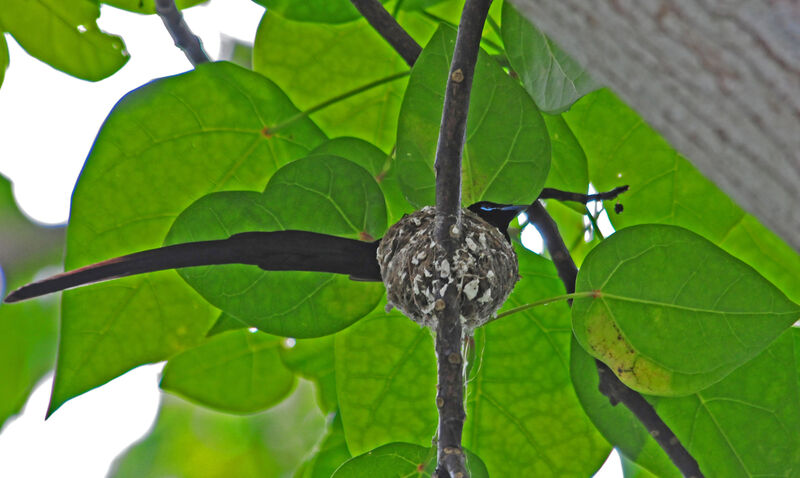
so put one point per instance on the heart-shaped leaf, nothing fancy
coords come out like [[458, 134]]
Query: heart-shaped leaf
[[671, 313], [507, 150], [326, 194], [238, 371]]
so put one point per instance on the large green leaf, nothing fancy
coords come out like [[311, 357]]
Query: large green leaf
[[550, 76], [568, 168], [194, 442], [64, 34], [666, 188], [522, 412], [147, 6], [238, 371], [380, 165], [386, 382], [671, 313], [507, 151], [3, 56], [163, 146], [316, 62], [329, 454], [320, 11], [320, 193], [402, 460]]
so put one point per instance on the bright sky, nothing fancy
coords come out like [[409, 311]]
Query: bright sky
[[48, 121]]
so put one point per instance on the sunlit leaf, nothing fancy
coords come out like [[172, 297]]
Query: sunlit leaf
[[402, 460], [238, 371], [522, 412], [672, 313], [191, 441], [334, 59], [550, 76], [147, 6], [568, 168], [386, 382], [665, 188], [313, 359], [326, 194], [507, 152], [320, 11], [3, 56], [329, 454], [64, 34], [163, 146], [379, 164]]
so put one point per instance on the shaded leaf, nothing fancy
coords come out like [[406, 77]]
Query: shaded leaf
[[568, 168], [316, 62], [522, 411], [224, 323], [402, 460], [665, 188], [64, 34], [673, 313], [549, 75], [324, 194], [163, 146], [386, 382], [238, 371], [3, 56], [191, 441], [507, 151], [313, 359], [329, 454]]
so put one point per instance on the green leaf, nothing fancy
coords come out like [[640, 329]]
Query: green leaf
[[745, 425], [522, 412], [631, 469], [163, 146], [616, 423], [147, 6], [329, 454], [313, 359], [507, 153], [673, 313], [192, 441], [665, 188], [64, 34], [553, 79], [319, 11], [224, 323], [3, 56], [238, 371], [325, 194], [386, 382], [568, 168], [334, 59], [379, 164], [402, 460]]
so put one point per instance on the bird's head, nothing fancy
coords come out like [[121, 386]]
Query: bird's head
[[498, 215]]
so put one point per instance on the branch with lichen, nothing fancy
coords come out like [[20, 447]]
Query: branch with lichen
[[449, 330]]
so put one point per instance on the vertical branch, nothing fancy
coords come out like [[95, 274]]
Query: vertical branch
[[610, 385], [449, 330], [180, 32], [391, 31]]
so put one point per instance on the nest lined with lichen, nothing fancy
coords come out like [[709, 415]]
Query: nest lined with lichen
[[416, 272]]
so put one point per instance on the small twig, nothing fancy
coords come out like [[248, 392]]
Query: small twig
[[610, 386], [550, 193], [449, 330], [384, 23], [184, 39]]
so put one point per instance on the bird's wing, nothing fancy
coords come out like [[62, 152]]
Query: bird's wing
[[272, 251]]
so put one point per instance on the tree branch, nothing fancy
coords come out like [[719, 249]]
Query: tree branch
[[391, 31], [180, 32], [610, 385], [449, 330]]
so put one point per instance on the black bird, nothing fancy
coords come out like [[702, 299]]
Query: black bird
[[272, 251]]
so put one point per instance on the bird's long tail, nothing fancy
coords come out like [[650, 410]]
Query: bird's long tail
[[273, 251]]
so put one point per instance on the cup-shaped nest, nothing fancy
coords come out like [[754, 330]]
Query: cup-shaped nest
[[416, 271]]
